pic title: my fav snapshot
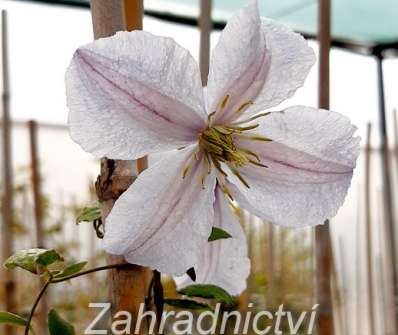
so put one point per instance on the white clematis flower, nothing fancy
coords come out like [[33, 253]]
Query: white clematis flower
[[136, 94]]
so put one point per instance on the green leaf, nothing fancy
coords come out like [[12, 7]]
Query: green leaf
[[218, 234], [89, 214], [48, 257], [33, 259], [13, 319], [187, 304], [58, 326], [71, 270], [208, 292]]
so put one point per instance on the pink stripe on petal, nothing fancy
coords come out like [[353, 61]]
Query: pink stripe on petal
[[163, 221], [126, 101], [310, 165]]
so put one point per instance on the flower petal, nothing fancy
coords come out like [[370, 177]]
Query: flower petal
[[163, 221], [224, 262], [134, 94], [310, 165], [239, 62], [291, 61], [256, 60]]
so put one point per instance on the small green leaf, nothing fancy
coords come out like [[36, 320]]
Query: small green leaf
[[89, 214], [32, 259], [218, 234], [58, 326], [13, 319], [71, 270], [48, 257], [208, 292], [187, 304]]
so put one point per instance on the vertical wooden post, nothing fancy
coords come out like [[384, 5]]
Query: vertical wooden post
[[36, 181], [395, 133], [38, 208], [133, 14], [368, 227], [7, 201], [271, 267], [323, 245], [358, 277], [205, 25], [388, 203], [127, 286]]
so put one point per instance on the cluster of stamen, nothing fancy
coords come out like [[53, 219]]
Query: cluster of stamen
[[217, 144]]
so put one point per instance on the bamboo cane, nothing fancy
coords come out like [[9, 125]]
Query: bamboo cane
[[358, 277], [271, 267], [395, 124], [127, 286], [389, 210], [205, 25], [388, 284], [368, 234], [36, 187], [7, 201], [322, 233], [38, 209]]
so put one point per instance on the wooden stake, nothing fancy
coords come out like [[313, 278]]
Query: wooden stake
[[38, 210], [395, 134], [368, 229], [36, 187], [358, 258], [205, 25], [133, 14], [271, 267], [8, 205], [388, 201], [127, 287], [323, 244]]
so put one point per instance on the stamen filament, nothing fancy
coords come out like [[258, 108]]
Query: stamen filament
[[237, 174], [257, 163], [242, 129], [218, 166], [186, 170], [219, 145], [251, 153], [224, 102], [243, 108], [208, 163], [251, 118], [210, 116], [255, 138]]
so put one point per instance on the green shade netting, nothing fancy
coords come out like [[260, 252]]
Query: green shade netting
[[364, 22], [368, 22]]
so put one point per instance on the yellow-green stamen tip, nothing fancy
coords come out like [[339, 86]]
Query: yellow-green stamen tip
[[219, 145]]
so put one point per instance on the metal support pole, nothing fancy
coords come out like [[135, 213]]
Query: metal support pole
[[387, 192]]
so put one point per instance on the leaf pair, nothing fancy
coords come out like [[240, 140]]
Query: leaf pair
[[33, 260], [38, 261]]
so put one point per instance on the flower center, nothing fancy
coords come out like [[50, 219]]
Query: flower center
[[220, 147]]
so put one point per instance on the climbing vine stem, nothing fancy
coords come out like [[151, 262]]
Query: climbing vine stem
[[52, 280]]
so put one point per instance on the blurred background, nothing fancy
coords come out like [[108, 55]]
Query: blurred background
[[42, 36]]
